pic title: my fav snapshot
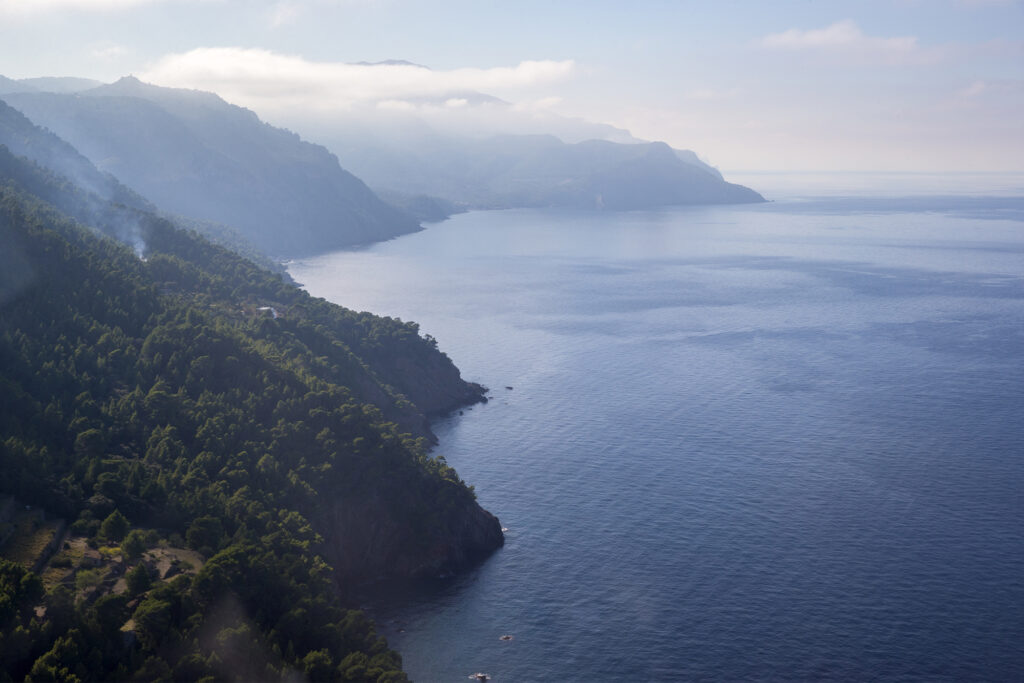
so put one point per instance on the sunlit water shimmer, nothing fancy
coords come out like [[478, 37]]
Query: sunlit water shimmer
[[782, 441]]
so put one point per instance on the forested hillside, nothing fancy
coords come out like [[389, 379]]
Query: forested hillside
[[163, 395]]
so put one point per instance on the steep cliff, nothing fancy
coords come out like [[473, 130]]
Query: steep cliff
[[369, 536]]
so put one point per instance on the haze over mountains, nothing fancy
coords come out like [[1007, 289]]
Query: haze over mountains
[[509, 171], [23, 138], [482, 152], [192, 154]]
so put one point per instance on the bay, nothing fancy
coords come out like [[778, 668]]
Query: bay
[[772, 442]]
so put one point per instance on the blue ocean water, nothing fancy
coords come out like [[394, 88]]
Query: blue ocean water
[[773, 442]]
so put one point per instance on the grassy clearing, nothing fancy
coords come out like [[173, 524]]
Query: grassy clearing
[[29, 539], [52, 576], [181, 560]]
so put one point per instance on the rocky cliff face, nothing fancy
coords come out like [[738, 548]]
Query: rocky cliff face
[[433, 383], [387, 534], [394, 367], [395, 520], [406, 531]]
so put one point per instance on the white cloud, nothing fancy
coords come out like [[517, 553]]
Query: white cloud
[[283, 13], [26, 10], [267, 80], [396, 105], [995, 89], [314, 98], [538, 105], [31, 7], [845, 36], [108, 51], [974, 89]]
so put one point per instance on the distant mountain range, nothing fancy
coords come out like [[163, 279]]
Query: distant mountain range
[[193, 154], [63, 84], [481, 152], [536, 171]]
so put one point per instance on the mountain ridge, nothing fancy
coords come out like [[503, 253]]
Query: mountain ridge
[[218, 163], [537, 171], [222, 164]]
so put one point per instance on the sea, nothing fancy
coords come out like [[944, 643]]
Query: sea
[[781, 441]]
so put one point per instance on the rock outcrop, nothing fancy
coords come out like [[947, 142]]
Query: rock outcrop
[[370, 536]]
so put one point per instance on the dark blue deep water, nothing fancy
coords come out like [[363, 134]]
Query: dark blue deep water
[[775, 442]]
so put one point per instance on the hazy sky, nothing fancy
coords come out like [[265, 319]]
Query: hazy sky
[[925, 85]]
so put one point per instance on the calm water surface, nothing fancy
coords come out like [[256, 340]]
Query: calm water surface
[[774, 442]]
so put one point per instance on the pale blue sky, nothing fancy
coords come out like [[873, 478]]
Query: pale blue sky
[[926, 85]]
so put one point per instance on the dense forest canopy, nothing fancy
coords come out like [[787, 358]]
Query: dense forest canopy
[[171, 402]]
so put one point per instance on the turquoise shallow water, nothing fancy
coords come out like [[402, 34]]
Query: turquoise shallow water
[[773, 442]]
